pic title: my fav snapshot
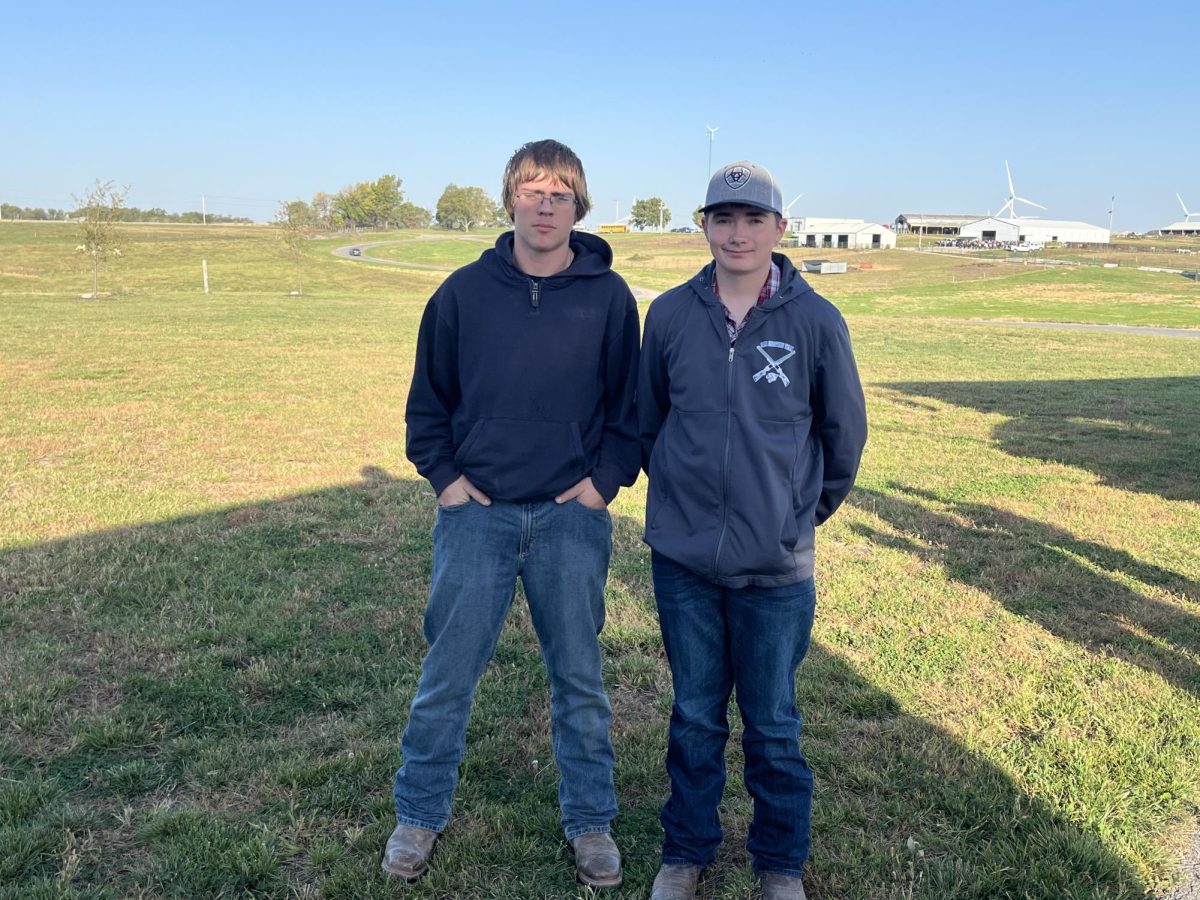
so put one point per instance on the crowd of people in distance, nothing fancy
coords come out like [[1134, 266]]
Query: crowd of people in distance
[[976, 244]]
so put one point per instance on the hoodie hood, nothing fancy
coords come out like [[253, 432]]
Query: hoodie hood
[[791, 283], [593, 256]]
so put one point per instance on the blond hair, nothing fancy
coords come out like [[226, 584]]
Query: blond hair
[[546, 159]]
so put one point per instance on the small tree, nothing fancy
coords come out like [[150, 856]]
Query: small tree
[[698, 217], [295, 221], [651, 213], [99, 211]]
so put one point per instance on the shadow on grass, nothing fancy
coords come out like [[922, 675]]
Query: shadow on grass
[[212, 705], [1073, 588], [1139, 434]]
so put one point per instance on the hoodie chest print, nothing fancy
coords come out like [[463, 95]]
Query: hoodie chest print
[[776, 353]]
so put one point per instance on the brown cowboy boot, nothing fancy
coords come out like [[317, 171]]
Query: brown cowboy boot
[[408, 851], [675, 882], [776, 886], [597, 859]]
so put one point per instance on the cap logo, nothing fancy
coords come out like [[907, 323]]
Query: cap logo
[[737, 177]]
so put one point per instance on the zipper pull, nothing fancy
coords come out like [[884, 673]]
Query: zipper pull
[[731, 348], [535, 290]]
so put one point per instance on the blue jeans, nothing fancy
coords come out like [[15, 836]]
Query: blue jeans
[[717, 640], [561, 554]]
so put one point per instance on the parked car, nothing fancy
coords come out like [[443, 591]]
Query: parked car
[[354, 251], [685, 229]]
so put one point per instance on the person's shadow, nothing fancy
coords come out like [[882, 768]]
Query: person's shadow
[[1076, 589], [1139, 434], [211, 706]]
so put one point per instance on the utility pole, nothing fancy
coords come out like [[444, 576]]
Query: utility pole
[[203, 211], [1112, 202]]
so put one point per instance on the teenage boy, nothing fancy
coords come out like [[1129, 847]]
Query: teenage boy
[[752, 423], [521, 417]]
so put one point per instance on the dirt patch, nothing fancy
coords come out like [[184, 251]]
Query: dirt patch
[[636, 709], [8, 588], [1189, 885], [245, 515]]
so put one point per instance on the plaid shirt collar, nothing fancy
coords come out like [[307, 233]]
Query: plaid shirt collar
[[769, 289]]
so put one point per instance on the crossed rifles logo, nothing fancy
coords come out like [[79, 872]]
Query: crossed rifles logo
[[773, 370]]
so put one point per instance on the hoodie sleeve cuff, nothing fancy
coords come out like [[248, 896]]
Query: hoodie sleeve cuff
[[605, 486], [442, 477]]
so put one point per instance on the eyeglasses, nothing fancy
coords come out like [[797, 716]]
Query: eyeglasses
[[535, 198]]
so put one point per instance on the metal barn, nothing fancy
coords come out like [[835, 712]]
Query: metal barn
[[841, 234], [1029, 230]]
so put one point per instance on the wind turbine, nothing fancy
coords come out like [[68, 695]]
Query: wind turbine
[[1187, 216], [1013, 199], [712, 133], [788, 209]]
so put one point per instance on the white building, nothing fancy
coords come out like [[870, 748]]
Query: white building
[[933, 223], [1029, 230], [841, 234], [1180, 229]]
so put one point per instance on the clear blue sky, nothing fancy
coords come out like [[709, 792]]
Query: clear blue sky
[[897, 107]]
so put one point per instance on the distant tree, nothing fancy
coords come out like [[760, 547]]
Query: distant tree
[[99, 211], [500, 217], [384, 200], [322, 207], [295, 221], [368, 204], [697, 217], [649, 213], [155, 214], [409, 215], [462, 207], [34, 213], [349, 208]]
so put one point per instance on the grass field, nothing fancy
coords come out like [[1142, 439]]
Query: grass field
[[214, 560]]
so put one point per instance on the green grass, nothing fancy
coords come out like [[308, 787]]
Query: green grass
[[982, 290], [214, 560], [437, 248]]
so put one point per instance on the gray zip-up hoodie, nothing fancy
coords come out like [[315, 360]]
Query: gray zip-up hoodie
[[749, 447]]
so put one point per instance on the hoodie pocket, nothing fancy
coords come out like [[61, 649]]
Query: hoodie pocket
[[522, 458]]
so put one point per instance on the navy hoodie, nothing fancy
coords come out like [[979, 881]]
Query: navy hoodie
[[748, 447], [526, 385]]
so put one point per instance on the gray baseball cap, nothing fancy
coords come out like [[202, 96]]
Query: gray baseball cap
[[746, 183]]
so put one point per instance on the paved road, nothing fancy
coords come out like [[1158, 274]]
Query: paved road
[[1189, 887], [365, 254]]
